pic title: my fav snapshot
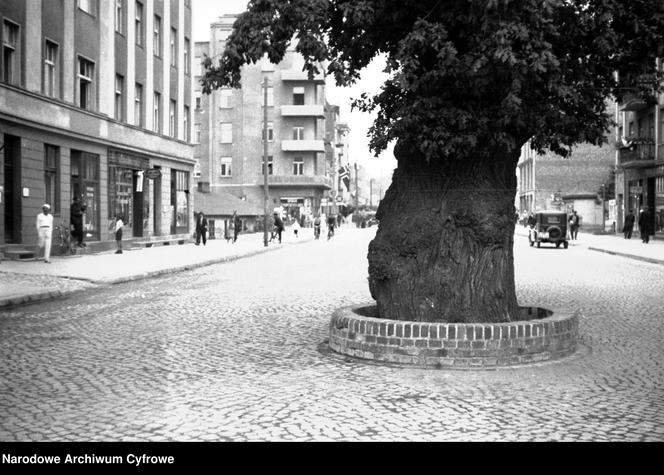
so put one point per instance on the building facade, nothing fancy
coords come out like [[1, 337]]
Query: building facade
[[548, 182], [95, 101], [640, 162], [229, 129]]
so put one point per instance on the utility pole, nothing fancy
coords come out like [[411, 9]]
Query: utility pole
[[357, 192], [603, 201], [371, 192], [266, 190]]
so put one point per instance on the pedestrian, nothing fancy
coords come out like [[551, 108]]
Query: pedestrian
[[237, 225], [645, 221], [629, 224], [531, 221], [574, 225], [77, 211], [119, 224], [44, 232], [201, 228], [278, 226], [296, 227], [317, 227], [331, 221]]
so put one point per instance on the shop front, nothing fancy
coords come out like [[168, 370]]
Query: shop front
[[128, 195]]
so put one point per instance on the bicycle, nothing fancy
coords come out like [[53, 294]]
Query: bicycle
[[64, 239]]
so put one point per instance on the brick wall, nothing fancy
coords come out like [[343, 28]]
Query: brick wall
[[455, 345]]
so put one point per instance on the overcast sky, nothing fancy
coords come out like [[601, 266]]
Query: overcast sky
[[206, 11]]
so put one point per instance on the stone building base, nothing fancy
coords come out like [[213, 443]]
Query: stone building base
[[355, 331]]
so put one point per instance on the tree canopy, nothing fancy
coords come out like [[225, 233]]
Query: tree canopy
[[466, 76]]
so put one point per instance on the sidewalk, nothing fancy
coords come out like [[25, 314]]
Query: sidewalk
[[30, 281], [616, 244]]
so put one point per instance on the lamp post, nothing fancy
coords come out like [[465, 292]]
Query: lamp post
[[266, 190], [357, 192]]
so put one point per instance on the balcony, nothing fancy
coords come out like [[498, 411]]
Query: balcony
[[316, 181], [315, 110], [635, 103], [294, 75], [303, 146], [636, 154]]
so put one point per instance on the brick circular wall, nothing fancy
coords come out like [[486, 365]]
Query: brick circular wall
[[547, 336]]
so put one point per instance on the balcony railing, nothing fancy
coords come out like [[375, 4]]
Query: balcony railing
[[313, 110], [637, 152], [293, 75], [300, 180], [303, 146]]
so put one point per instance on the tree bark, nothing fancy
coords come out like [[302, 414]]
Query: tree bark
[[443, 251]]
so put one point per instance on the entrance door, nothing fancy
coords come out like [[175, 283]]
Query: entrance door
[[651, 201], [137, 223], [157, 205], [12, 189]]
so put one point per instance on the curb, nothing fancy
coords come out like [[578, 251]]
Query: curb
[[629, 256], [6, 303]]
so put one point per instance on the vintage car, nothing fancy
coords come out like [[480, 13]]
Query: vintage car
[[549, 226]]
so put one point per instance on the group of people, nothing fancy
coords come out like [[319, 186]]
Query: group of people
[[645, 225], [202, 228]]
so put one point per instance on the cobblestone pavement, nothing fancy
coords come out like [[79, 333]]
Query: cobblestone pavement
[[234, 352], [18, 288]]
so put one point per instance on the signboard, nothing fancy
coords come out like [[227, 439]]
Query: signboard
[[152, 173], [635, 190]]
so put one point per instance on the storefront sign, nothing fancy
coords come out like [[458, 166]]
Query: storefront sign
[[636, 190], [152, 173]]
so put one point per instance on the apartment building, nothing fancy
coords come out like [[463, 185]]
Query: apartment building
[[95, 101], [640, 162], [550, 181], [229, 129]]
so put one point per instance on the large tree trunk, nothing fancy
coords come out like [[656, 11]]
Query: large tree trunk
[[444, 247]]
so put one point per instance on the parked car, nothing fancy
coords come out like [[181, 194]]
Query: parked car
[[550, 226]]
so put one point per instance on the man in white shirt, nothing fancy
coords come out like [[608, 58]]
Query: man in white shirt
[[45, 232]]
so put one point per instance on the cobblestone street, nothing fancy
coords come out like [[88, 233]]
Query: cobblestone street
[[235, 351]]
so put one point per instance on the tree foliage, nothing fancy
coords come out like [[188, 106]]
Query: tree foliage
[[466, 76]]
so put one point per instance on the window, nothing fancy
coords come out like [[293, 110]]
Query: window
[[85, 72], [270, 97], [119, 103], [197, 169], [173, 46], [225, 166], [10, 52], [185, 124], [138, 105], [156, 114], [139, 24], [198, 101], [51, 177], [270, 165], [197, 133], [225, 97], [180, 201], [88, 6], [51, 69], [298, 166], [156, 36], [85, 183], [172, 129], [270, 132], [186, 56], [226, 132], [119, 16], [199, 66], [298, 96], [298, 133]]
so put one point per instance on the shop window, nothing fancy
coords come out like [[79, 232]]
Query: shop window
[[85, 183], [52, 177]]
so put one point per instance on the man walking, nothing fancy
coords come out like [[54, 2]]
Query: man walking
[[201, 229], [629, 225], [278, 226], [44, 232], [574, 225], [76, 218], [645, 220], [237, 225]]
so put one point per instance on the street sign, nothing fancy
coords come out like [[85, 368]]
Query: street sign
[[152, 173]]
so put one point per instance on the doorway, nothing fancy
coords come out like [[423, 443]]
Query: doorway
[[12, 189]]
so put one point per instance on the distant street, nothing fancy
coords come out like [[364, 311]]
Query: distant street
[[235, 351]]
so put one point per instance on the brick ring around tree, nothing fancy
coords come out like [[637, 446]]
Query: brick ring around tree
[[355, 331]]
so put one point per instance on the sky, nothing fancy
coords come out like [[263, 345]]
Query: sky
[[206, 11]]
